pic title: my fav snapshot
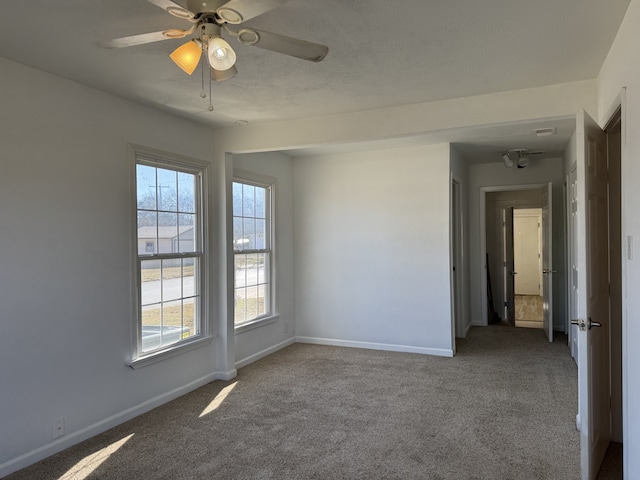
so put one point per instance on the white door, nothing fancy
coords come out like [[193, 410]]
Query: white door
[[573, 260], [593, 295], [526, 241], [547, 262], [509, 266]]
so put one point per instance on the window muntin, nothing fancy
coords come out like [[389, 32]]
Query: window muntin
[[252, 244], [170, 253]]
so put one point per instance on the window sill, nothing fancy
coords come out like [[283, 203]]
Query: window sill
[[156, 357], [257, 323]]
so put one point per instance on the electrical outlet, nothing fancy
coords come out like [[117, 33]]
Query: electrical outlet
[[58, 427]]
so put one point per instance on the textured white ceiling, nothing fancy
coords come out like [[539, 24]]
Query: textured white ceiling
[[382, 52]]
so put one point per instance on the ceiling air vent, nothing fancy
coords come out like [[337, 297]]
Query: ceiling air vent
[[545, 132]]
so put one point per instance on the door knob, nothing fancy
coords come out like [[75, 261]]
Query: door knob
[[582, 325], [593, 324]]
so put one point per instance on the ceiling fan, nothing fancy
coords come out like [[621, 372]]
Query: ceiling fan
[[518, 157], [212, 17]]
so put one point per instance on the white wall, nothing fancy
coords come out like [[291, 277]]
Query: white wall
[[372, 249], [66, 270], [252, 344], [495, 175], [622, 69], [407, 120]]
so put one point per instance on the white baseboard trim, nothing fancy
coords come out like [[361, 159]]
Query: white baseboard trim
[[226, 376], [78, 436], [267, 351], [466, 330], [440, 352]]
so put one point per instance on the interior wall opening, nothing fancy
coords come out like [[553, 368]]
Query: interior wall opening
[[527, 253]]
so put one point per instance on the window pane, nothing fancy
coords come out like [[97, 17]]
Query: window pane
[[238, 238], [189, 276], [186, 192], [248, 200], [187, 233], [151, 327], [146, 186], [167, 232], [147, 232], [171, 280], [261, 234], [189, 318], [261, 307], [262, 268], [260, 202], [251, 268], [150, 282], [241, 271], [237, 199], [167, 190], [249, 228], [163, 325], [240, 312]]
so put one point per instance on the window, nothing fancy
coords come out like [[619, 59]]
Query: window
[[252, 244], [170, 255]]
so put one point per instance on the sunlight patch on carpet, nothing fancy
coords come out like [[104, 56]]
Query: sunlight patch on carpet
[[90, 463], [216, 402]]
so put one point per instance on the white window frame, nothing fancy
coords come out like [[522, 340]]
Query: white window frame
[[269, 183], [140, 155]]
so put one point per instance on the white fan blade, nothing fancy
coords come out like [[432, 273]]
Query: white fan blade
[[174, 9], [143, 38], [238, 11], [313, 52]]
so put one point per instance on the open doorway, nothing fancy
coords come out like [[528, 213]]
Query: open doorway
[[527, 256]]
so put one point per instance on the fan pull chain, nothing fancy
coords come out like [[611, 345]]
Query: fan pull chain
[[210, 81], [202, 94]]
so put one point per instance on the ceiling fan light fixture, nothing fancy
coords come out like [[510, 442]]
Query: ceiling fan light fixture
[[246, 36], [175, 33], [523, 161], [230, 15], [508, 162], [187, 56], [221, 55], [220, 75], [178, 11]]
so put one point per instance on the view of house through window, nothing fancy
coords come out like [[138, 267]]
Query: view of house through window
[[252, 250], [170, 256]]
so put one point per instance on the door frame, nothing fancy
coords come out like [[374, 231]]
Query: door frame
[[460, 328], [620, 103], [483, 235]]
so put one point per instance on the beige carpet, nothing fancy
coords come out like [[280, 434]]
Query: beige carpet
[[503, 408]]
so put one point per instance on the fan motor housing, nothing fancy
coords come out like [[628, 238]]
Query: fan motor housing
[[204, 6]]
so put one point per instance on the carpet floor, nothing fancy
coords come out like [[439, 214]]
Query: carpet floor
[[503, 408]]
